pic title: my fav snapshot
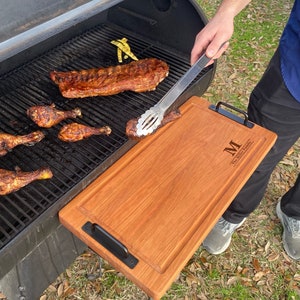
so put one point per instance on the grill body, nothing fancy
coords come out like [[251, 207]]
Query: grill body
[[30, 233]]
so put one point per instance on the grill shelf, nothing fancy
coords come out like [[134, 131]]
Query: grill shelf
[[74, 165]]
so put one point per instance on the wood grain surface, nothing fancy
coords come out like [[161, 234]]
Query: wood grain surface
[[163, 196]]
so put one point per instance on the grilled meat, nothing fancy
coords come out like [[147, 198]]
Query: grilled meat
[[9, 141], [138, 76], [48, 116], [75, 132], [11, 181], [131, 124]]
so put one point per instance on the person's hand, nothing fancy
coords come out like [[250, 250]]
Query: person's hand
[[213, 38]]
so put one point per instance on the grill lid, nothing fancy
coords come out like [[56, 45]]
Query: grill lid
[[17, 16], [24, 23]]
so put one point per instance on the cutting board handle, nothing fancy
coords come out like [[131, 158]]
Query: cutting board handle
[[245, 121], [110, 243]]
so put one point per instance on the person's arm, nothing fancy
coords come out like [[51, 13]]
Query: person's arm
[[218, 30]]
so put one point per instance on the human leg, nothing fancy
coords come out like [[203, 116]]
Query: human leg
[[290, 202], [288, 211], [273, 107]]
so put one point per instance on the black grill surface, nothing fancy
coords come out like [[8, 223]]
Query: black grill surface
[[74, 165]]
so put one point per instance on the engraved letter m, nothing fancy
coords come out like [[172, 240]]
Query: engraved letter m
[[233, 148]]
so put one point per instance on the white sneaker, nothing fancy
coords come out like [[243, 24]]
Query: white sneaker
[[219, 238], [291, 233]]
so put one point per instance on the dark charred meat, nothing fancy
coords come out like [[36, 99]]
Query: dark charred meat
[[138, 76], [9, 141], [75, 132], [131, 124], [11, 181], [47, 115]]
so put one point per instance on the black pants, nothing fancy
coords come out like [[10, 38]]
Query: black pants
[[273, 107]]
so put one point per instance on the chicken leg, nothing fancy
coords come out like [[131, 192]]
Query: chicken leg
[[9, 141], [75, 132], [11, 181], [47, 115]]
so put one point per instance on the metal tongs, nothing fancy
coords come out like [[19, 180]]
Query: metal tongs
[[152, 118]]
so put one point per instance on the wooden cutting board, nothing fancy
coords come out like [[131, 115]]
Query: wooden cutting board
[[160, 200]]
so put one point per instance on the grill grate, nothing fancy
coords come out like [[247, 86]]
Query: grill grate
[[74, 165]]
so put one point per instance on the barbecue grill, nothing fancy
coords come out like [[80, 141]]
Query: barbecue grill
[[37, 37]]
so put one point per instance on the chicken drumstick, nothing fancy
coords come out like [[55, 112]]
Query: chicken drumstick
[[48, 116], [75, 132], [9, 141], [11, 181]]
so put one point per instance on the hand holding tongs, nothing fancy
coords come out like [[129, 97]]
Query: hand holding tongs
[[152, 118]]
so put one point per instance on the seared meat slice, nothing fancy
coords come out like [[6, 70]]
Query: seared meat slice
[[11, 181], [138, 76], [48, 116], [75, 132], [131, 124], [9, 141]]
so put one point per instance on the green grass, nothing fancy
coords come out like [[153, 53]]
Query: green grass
[[237, 291]]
